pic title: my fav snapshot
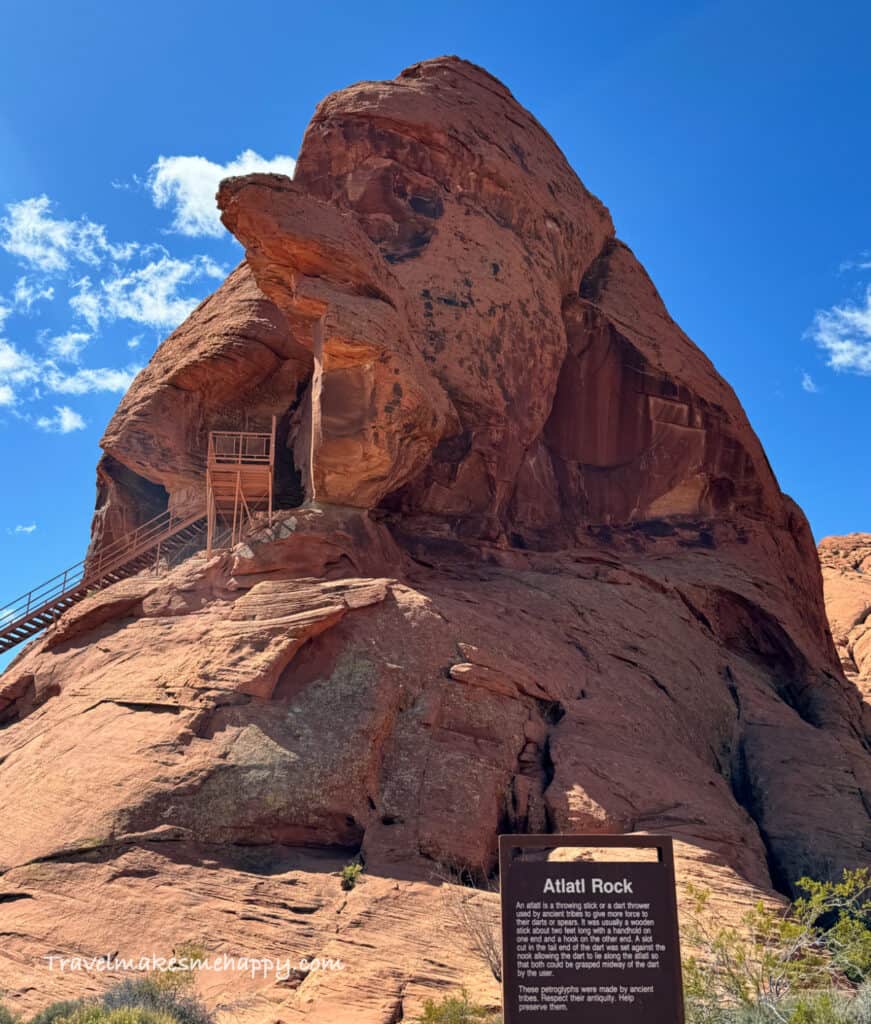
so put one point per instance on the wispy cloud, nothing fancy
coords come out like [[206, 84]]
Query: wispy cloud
[[68, 346], [85, 382], [808, 384], [22, 375], [153, 295], [862, 262], [31, 232], [64, 421], [25, 294], [187, 184], [23, 529], [17, 368], [103, 282], [158, 292], [844, 333]]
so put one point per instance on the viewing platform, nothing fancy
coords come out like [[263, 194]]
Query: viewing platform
[[240, 469]]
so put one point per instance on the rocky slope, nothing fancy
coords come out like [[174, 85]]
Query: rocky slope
[[846, 563], [542, 579]]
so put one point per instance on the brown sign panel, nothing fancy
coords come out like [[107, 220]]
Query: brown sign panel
[[589, 941]]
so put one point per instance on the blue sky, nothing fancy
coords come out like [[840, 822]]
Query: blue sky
[[730, 141]]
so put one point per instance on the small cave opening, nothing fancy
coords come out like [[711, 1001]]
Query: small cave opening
[[138, 498], [125, 500], [288, 483], [288, 488]]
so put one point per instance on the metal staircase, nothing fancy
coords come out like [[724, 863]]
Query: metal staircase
[[164, 536]]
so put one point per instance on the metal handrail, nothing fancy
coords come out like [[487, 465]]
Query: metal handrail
[[239, 447], [89, 571], [226, 447]]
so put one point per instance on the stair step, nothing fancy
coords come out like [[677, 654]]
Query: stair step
[[141, 556]]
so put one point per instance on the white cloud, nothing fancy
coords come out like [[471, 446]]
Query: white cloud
[[808, 384], [19, 370], [25, 529], [188, 185], [152, 295], [85, 381], [86, 303], [103, 282], [862, 263], [30, 232], [127, 186], [64, 421], [68, 346], [16, 367], [844, 332], [25, 294]]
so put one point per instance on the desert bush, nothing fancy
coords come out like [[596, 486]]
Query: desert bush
[[164, 993], [822, 1008], [456, 1009], [476, 917], [7, 1016], [790, 966], [830, 1007], [350, 875], [56, 1011], [154, 995], [840, 915], [95, 1013], [862, 1004]]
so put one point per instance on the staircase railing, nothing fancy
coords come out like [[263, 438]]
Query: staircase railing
[[91, 570], [238, 447]]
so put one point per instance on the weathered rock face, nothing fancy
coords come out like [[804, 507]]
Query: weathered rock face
[[846, 563], [544, 581], [232, 363], [502, 263]]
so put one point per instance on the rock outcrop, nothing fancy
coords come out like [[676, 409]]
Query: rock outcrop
[[846, 563], [532, 572]]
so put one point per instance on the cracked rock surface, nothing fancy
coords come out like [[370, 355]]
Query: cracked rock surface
[[846, 563]]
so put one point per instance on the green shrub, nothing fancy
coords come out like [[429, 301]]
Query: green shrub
[[456, 1010], [154, 995], [56, 1011], [164, 993], [822, 1008], [810, 1008], [94, 1013], [862, 1004], [182, 973], [790, 966], [350, 874], [7, 1016]]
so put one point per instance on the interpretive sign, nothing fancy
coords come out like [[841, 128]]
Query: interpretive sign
[[592, 941]]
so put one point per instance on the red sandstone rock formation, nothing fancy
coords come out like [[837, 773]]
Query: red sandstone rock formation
[[846, 563], [544, 579]]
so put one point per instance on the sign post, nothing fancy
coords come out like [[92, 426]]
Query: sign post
[[589, 941]]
